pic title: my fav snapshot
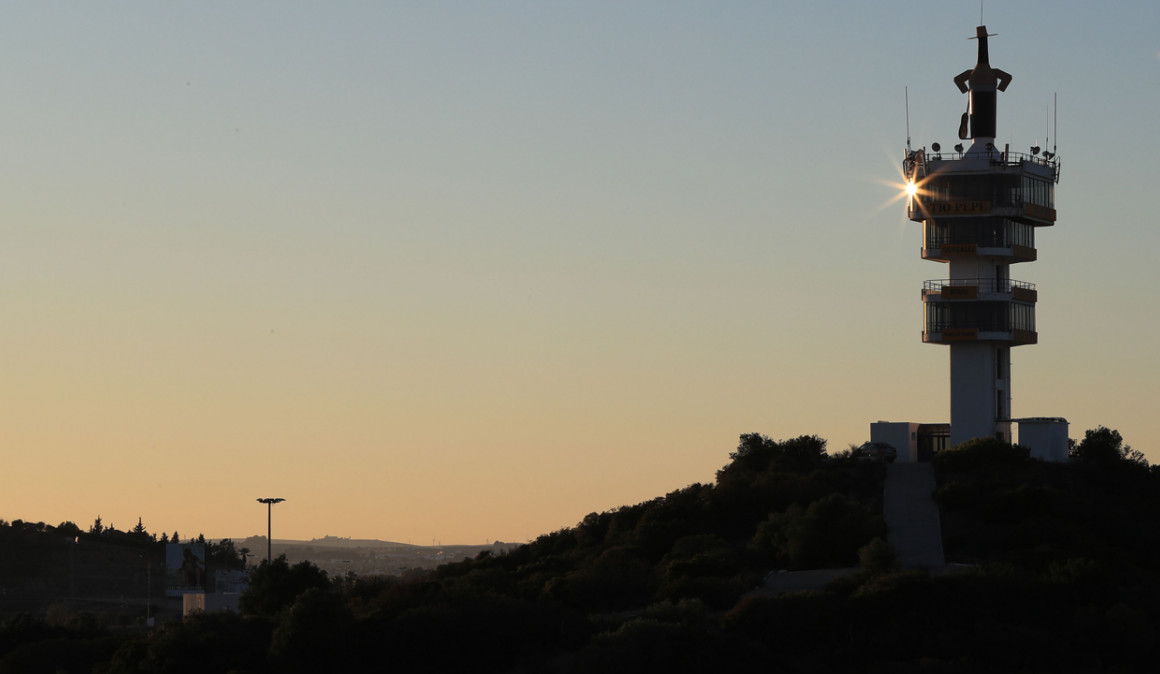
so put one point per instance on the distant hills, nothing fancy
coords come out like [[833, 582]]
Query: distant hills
[[341, 556]]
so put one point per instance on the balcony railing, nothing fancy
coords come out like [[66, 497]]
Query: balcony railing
[[998, 157], [946, 334], [984, 285]]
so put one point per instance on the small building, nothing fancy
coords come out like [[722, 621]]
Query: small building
[[914, 441], [1046, 437]]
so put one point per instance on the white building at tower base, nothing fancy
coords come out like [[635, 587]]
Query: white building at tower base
[[1046, 437]]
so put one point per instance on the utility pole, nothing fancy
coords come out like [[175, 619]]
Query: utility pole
[[269, 508]]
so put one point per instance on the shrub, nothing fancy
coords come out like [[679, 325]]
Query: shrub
[[980, 453], [877, 557], [828, 533]]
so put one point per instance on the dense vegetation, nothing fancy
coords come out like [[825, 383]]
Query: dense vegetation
[[1056, 570]]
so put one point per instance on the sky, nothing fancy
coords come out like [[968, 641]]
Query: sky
[[460, 272]]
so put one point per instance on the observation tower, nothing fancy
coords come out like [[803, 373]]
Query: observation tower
[[980, 207]]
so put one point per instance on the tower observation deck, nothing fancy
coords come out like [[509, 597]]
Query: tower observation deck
[[979, 208]]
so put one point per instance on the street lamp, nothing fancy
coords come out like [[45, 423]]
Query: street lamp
[[269, 508]]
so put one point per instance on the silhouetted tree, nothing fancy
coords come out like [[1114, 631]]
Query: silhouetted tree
[[877, 556], [1104, 445], [757, 453], [827, 533], [275, 585], [981, 452], [314, 635], [225, 554], [68, 529], [219, 641]]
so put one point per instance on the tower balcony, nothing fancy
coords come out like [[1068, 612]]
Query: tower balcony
[[921, 210], [979, 310], [987, 289], [944, 252], [1005, 185], [946, 239]]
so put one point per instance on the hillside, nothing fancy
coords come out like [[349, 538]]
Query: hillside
[[1056, 572]]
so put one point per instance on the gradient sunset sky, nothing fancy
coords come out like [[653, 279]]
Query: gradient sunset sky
[[465, 271]]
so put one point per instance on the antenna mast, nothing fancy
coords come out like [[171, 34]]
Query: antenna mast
[[1055, 105], [1046, 128], [906, 93]]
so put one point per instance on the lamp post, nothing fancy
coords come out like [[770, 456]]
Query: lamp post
[[269, 508]]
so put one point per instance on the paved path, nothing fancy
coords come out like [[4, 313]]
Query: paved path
[[912, 516]]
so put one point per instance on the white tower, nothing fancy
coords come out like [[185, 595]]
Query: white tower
[[979, 208]]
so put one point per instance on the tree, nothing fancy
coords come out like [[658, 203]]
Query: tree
[[877, 557], [757, 453], [981, 453], [217, 641], [275, 585], [225, 553], [1104, 445], [97, 527], [314, 634], [68, 529], [829, 533], [139, 530]]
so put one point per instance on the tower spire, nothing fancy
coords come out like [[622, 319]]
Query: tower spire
[[981, 83]]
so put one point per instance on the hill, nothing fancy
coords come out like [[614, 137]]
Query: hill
[[1058, 574], [368, 557]]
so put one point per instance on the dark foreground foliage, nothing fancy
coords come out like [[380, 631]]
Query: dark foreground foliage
[[1057, 573]]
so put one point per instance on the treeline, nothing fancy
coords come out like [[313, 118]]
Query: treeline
[[20, 534], [1055, 571], [117, 576]]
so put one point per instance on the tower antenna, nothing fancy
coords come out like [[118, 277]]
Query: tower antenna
[[1055, 105], [1046, 128], [906, 93]]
